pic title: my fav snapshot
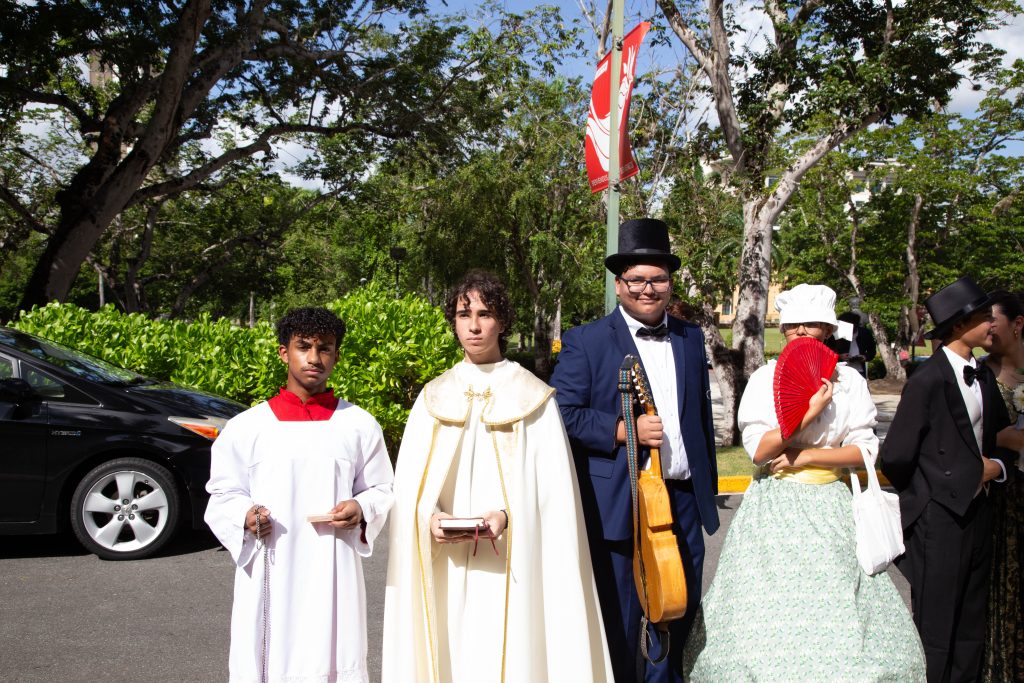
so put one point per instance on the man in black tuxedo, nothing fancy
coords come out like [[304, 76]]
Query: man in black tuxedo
[[935, 454]]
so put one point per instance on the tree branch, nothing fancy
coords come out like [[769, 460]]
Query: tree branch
[[86, 122], [55, 176], [686, 34], [9, 198], [606, 29], [198, 175], [1004, 204], [787, 184], [716, 65]]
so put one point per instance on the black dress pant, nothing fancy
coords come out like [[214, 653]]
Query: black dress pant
[[947, 564]]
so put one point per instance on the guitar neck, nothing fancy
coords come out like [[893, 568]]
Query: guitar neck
[[655, 452]]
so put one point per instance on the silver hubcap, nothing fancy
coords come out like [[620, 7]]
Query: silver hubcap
[[125, 511]]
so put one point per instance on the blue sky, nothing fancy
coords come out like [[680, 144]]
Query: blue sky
[[754, 28]]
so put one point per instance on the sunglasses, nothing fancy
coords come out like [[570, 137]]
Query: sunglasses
[[790, 327]]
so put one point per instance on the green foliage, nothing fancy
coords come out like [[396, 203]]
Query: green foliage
[[516, 202], [707, 222], [195, 89], [391, 349], [876, 368], [855, 211]]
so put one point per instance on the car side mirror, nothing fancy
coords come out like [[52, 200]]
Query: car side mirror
[[15, 390]]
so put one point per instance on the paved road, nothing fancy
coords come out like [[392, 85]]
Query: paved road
[[69, 617]]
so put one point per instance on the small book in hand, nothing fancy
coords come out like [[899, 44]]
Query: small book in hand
[[320, 518], [464, 524]]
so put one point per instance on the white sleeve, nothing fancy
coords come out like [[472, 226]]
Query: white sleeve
[[756, 415], [229, 496], [861, 417], [372, 486]]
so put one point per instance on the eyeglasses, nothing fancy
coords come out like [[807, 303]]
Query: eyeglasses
[[792, 327], [636, 285]]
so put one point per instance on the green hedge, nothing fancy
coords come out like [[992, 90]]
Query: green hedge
[[392, 348]]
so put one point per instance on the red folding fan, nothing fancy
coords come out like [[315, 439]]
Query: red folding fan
[[798, 372]]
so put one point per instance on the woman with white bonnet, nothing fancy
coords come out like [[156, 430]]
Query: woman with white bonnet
[[789, 602]]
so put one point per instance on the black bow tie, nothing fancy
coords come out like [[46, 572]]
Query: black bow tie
[[970, 374], [658, 332]]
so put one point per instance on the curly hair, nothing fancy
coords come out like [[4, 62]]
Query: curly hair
[[493, 295], [309, 322]]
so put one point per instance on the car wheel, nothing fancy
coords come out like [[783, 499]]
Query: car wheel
[[125, 509]]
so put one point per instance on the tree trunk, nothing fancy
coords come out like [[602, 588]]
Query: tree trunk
[[72, 241], [104, 187], [134, 295], [754, 278], [727, 371], [893, 369], [891, 359], [542, 352], [912, 285]]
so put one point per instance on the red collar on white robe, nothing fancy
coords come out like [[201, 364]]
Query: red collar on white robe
[[288, 407]]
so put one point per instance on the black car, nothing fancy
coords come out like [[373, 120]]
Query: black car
[[121, 457]]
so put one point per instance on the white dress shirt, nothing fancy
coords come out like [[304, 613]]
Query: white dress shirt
[[857, 365], [660, 364], [972, 401]]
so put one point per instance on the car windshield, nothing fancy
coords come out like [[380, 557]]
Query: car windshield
[[78, 363]]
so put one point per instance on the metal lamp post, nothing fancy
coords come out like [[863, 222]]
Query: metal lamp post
[[612, 227]]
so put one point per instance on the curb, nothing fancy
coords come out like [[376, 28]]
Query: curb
[[739, 484]]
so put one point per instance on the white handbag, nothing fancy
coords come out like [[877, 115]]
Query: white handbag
[[876, 515]]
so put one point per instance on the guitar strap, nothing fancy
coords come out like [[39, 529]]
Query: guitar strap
[[632, 459]]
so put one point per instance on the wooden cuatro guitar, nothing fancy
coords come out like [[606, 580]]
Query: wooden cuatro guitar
[[657, 566]]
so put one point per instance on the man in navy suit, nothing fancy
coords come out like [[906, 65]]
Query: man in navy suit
[[586, 377]]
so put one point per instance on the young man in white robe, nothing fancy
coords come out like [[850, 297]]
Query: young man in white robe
[[485, 440], [299, 611]]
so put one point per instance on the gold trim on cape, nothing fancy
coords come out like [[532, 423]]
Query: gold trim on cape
[[427, 590], [445, 392], [508, 549]]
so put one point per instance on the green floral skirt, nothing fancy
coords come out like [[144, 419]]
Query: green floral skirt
[[790, 603]]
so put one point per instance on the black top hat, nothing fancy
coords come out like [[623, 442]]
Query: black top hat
[[642, 239], [952, 303]]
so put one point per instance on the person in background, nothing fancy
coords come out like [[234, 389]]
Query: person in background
[[1004, 634], [299, 610], [940, 456], [789, 601], [857, 351], [513, 598]]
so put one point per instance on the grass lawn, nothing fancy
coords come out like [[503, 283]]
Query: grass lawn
[[733, 461], [772, 339]]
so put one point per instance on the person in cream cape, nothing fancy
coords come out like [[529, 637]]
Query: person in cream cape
[[515, 601]]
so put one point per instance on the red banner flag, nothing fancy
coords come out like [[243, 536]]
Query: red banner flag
[[598, 148]]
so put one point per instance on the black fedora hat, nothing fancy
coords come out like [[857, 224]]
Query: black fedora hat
[[952, 303], [642, 239]]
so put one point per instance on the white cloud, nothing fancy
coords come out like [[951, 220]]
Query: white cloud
[[288, 155], [1010, 39]]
